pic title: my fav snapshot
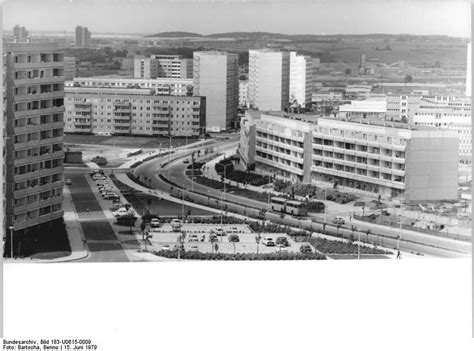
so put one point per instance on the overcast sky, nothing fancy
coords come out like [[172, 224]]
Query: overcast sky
[[448, 17]]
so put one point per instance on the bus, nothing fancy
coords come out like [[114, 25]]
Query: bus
[[293, 207]]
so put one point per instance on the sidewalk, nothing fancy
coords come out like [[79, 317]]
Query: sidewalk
[[74, 233]]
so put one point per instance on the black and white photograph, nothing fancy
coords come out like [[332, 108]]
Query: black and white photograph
[[158, 139]]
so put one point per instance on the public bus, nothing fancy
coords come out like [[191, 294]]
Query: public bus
[[293, 207]]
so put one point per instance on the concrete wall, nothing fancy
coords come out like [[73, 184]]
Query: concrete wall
[[432, 166]]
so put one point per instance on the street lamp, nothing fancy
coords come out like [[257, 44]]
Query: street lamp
[[11, 240]]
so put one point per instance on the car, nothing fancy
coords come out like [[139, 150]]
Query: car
[[193, 237], [175, 221], [306, 248], [68, 181], [234, 238], [193, 248], [110, 196], [155, 230], [282, 241], [154, 223], [281, 249], [122, 211], [339, 220], [218, 231], [213, 238], [186, 160], [268, 241], [166, 247]]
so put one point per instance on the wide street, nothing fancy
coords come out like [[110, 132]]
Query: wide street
[[414, 242], [101, 241]]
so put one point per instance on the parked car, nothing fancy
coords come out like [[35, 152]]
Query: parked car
[[306, 248], [218, 231], [68, 181], [166, 247], [121, 212], [154, 223], [234, 238], [193, 237], [282, 241], [186, 160], [98, 176], [110, 196], [339, 220], [193, 248], [213, 238], [268, 241]]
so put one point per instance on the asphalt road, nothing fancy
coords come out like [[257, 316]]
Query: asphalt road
[[101, 240], [410, 242]]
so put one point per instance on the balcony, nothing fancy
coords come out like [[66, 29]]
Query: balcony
[[279, 165], [39, 96], [39, 64], [43, 80], [39, 111]]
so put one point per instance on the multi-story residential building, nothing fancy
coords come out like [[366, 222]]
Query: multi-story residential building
[[162, 86], [243, 93], [174, 66], [269, 80], [378, 158], [302, 74], [215, 76], [69, 68], [468, 70], [83, 37], [122, 111], [145, 68], [163, 66], [20, 34], [34, 127]]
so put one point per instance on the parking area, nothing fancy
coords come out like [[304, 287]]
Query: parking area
[[204, 237]]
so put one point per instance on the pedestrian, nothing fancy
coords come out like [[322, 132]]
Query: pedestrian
[[87, 209], [399, 255]]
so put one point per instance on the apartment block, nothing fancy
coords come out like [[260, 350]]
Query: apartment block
[[269, 80], [243, 93], [161, 86], [215, 76], [469, 70], [302, 74], [83, 37], [34, 127], [122, 111], [173, 66], [20, 34], [145, 68], [374, 158], [69, 68]]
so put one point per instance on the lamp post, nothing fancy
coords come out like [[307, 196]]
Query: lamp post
[[11, 240]]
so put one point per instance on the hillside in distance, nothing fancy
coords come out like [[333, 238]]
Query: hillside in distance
[[174, 35]]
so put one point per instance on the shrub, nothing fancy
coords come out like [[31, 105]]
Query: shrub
[[316, 206], [197, 255], [99, 160]]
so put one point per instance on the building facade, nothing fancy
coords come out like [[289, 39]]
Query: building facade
[[391, 160], [302, 74], [215, 76], [83, 37], [20, 34], [145, 68], [469, 70], [269, 80], [34, 148], [161, 86], [369, 109], [69, 68], [121, 111], [244, 93]]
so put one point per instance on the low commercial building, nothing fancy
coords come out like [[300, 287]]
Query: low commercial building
[[370, 109], [376, 158], [161, 86], [118, 111]]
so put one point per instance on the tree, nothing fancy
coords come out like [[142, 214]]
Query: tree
[[408, 79], [347, 72]]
